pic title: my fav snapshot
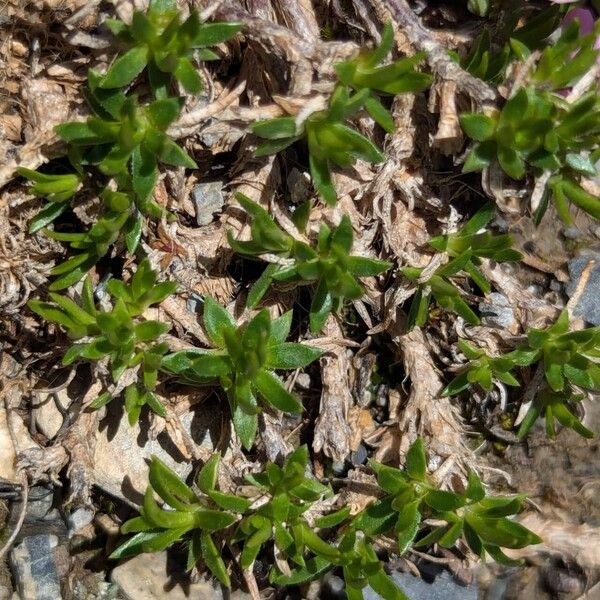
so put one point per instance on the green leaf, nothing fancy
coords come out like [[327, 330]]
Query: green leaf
[[169, 486], [80, 133], [101, 401], [458, 384], [378, 518], [209, 366], [333, 519], [407, 526], [416, 462], [126, 68], [275, 129], [288, 355], [261, 285], [361, 266], [51, 313], [215, 319], [384, 585], [245, 426], [280, 328], [274, 393], [477, 126], [443, 501], [321, 306], [150, 330], [133, 232], [274, 146], [315, 567], [46, 215], [480, 156], [211, 34], [187, 75], [134, 545], [321, 176], [171, 154], [230, 502], [207, 477], [474, 489], [360, 146], [379, 114], [72, 310], [213, 560], [512, 164], [163, 112]]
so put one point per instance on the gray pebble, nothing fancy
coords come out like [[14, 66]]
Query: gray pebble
[[208, 199], [360, 456], [588, 306], [34, 568]]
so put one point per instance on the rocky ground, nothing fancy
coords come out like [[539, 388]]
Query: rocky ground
[[69, 477]]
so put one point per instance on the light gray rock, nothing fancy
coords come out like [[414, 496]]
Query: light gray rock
[[35, 569], [123, 452], [497, 311], [48, 418], [78, 519], [444, 587], [39, 503], [588, 306], [208, 199], [145, 577]]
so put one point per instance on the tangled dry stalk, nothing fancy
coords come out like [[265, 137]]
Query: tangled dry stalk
[[279, 65]]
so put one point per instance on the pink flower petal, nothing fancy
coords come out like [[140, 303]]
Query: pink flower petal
[[586, 19]]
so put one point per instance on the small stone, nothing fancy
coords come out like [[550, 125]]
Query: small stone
[[48, 418], [497, 312], [208, 199], [338, 467], [444, 587], [122, 452], [572, 233], [588, 306], [359, 457], [299, 186], [40, 502], [303, 381], [78, 519], [7, 450], [146, 577], [333, 588], [34, 568]]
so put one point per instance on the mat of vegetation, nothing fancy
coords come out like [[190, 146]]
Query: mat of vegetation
[[299, 294]]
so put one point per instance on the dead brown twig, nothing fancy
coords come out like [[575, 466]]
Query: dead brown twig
[[437, 56]]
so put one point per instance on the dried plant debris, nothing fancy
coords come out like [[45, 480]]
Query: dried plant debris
[[289, 280]]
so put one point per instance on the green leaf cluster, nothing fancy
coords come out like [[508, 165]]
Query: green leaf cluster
[[538, 130], [119, 335], [479, 244], [57, 189], [330, 140], [200, 514], [483, 522], [569, 360], [120, 218], [466, 248], [484, 369], [489, 60], [398, 77], [166, 46], [274, 513], [123, 139], [128, 138], [330, 265], [243, 361]]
